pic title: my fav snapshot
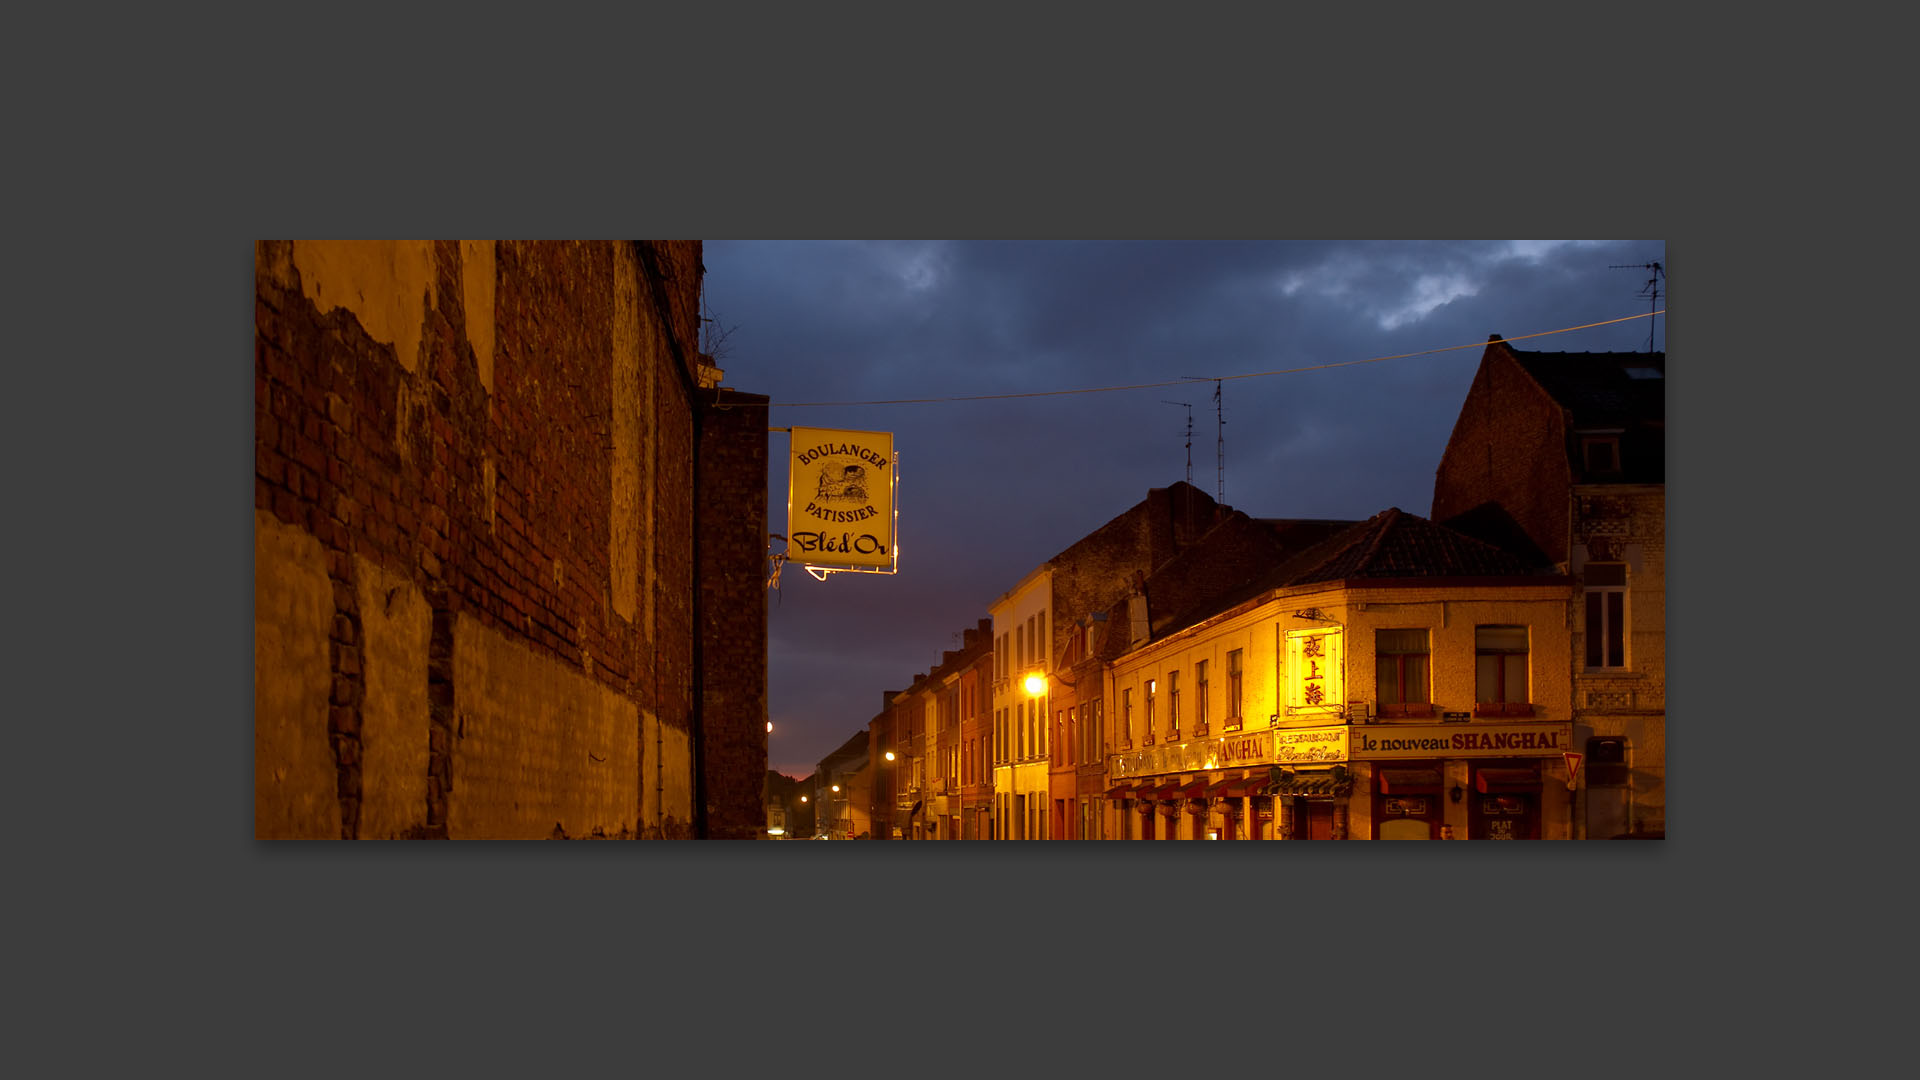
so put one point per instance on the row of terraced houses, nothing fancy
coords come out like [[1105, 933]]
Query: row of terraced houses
[[1188, 671]]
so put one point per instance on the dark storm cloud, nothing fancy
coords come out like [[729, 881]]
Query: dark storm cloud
[[991, 489]]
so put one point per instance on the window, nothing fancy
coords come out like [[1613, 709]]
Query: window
[[1020, 645], [1233, 688], [1149, 710], [1605, 586], [1126, 715], [1401, 659], [1173, 704], [1200, 695], [1601, 453], [1500, 671]]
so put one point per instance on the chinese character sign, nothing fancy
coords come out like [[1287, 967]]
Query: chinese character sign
[[840, 499], [1316, 671]]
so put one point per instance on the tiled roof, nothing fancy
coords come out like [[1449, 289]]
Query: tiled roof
[[1597, 388], [1396, 544]]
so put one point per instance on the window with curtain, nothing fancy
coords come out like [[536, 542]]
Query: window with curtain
[[1401, 657], [1500, 664]]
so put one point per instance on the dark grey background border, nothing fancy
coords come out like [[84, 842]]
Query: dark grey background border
[[154, 904]]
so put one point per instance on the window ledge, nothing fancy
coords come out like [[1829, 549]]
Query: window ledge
[[1503, 708]]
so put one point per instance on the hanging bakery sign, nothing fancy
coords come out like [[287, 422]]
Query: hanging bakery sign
[[842, 511]]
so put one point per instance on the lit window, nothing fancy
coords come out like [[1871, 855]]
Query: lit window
[[1200, 693], [1173, 704], [1233, 688]]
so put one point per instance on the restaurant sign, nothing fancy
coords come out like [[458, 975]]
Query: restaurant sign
[[841, 500], [1385, 741], [1307, 746], [1280, 746]]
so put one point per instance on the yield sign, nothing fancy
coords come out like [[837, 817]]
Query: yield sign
[[1573, 766]]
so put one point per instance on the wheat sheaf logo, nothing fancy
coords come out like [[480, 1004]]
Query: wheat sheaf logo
[[842, 484]]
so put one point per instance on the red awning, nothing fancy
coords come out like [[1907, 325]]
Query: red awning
[[1197, 789], [1122, 791], [1238, 787], [1410, 781], [1494, 781], [1168, 790]]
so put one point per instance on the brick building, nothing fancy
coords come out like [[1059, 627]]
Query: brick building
[[1565, 454], [508, 540]]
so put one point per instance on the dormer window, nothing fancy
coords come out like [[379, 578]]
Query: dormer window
[[1600, 454]]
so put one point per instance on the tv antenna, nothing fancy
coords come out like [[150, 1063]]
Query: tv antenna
[[1651, 290], [1189, 409], [1220, 441]]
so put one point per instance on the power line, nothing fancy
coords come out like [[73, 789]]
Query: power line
[[1215, 378]]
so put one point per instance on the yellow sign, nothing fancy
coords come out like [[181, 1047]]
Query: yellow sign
[[841, 488], [1316, 673]]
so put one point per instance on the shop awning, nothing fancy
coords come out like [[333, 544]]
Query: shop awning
[[1410, 781], [1238, 787], [1197, 789], [1495, 781], [1122, 791], [1312, 785], [1168, 790]]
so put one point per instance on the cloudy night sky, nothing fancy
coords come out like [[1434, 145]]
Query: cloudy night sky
[[989, 490]]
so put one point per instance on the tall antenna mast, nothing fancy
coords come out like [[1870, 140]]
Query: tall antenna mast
[[1189, 409], [1651, 290], [1220, 447]]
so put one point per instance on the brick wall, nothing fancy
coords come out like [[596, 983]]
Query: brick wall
[[475, 517], [1508, 446], [732, 530]]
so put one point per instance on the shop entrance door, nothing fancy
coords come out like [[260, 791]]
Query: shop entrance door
[[1318, 820]]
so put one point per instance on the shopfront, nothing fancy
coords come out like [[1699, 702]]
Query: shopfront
[[1244, 786], [1489, 781]]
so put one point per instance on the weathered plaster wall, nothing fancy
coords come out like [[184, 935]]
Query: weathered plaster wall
[[293, 765], [475, 491]]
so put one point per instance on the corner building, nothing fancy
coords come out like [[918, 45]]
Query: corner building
[[1363, 690], [1563, 456]]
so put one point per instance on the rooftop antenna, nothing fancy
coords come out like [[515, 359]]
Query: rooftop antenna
[[1189, 409], [1220, 447], [1651, 290]]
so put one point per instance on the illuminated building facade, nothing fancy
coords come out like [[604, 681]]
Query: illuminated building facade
[[1021, 629], [1365, 688]]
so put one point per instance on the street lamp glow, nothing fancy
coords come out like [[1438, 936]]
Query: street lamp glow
[[769, 727], [889, 755], [803, 798], [1036, 684], [836, 787]]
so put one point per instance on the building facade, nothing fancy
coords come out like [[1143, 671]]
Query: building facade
[[508, 529], [1370, 683]]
